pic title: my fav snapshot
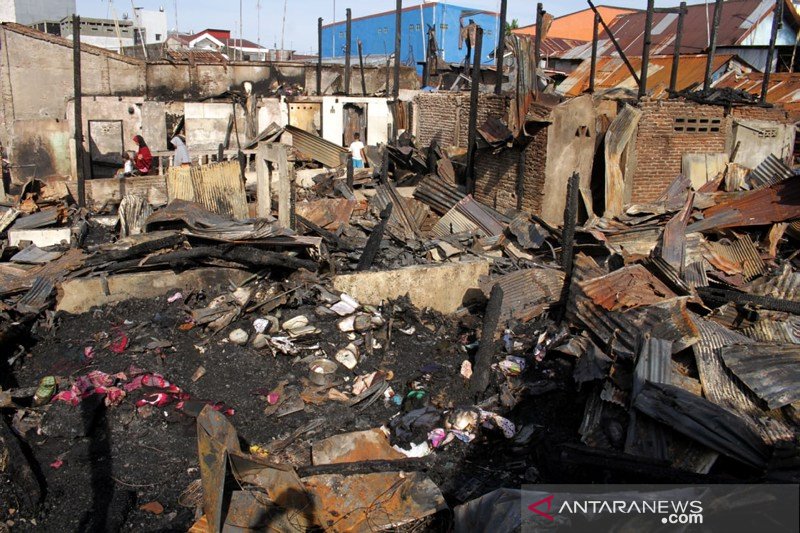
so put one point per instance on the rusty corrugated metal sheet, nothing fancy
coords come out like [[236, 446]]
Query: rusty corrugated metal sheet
[[628, 287], [777, 203], [526, 293], [775, 331], [771, 171], [784, 87], [741, 254], [217, 187], [437, 193], [695, 274], [469, 215], [369, 445], [327, 213], [720, 388], [771, 371], [613, 74], [317, 148], [785, 285]]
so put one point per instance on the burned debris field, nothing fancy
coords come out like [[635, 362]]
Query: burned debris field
[[330, 297]]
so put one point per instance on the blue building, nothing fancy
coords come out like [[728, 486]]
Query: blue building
[[377, 33]]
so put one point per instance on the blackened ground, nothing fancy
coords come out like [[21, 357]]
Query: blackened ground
[[115, 460]]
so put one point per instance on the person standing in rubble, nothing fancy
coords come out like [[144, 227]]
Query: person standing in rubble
[[357, 151], [181, 157], [143, 161]]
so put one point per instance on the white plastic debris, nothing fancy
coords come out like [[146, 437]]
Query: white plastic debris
[[348, 357], [175, 297], [239, 336], [347, 305], [260, 325]]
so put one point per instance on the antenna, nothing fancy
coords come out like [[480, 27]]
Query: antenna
[[283, 25], [258, 18]]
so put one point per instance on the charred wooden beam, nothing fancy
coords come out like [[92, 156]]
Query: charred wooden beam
[[245, 255], [715, 296], [537, 44], [472, 131], [483, 359], [398, 30], [777, 23], [350, 171], [347, 49], [80, 156], [374, 242], [361, 68], [319, 55], [712, 49], [593, 69], [501, 47], [676, 54], [614, 41], [648, 41]]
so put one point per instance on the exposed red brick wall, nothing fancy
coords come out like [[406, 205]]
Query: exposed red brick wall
[[445, 116], [496, 176], [659, 149]]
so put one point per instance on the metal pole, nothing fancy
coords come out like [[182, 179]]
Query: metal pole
[[713, 47], [648, 39], [319, 56], [76, 71], [614, 41], [501, 47], [347, 46], [472, 130], [595, 37], [777, 22], [397, 31], [676, 54], [361, 67], [537, 45]]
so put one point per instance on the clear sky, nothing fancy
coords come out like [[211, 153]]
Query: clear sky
[[301, 15]]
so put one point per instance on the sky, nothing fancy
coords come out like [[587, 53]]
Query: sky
[[300, 31]]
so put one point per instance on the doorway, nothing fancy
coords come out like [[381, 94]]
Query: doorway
[[355, 121]]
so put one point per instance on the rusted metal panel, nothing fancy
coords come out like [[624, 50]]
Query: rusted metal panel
[[495, 132], [784, 286], [407, 213], [625, 288], [654, 364], [526, 293], [618, 139], [673, 241], [776, 203], [739, 256], [369, 502], [775, 331], [327, 213], [369, 445], [468, 215], [771, 371], [438, 194], [695, 274], [769, 172], [720, 388], [218, 187], [317, 148]]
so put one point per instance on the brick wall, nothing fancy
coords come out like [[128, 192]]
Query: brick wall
[[445, 116], [496, 176], [660, 149]]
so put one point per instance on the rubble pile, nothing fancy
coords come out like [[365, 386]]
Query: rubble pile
[[324, 376]]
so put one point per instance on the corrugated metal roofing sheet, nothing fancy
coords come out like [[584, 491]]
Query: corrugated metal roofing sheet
[[526, 293], [784, 87], [785, 285], [626, 288], [771, 371], [741, 253], [317, 148], [771, 171], [612, 73], [720, 388]]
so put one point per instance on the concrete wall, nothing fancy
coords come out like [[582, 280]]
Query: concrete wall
[[207, 123], [30, 11], [35, 127], [379, 118], [659, 148]]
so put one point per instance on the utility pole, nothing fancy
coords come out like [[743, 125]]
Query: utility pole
[[76, 72], [501, 47], [347, 50], [283, 24], [398, 28]]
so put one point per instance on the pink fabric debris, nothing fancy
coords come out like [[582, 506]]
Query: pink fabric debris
[[119, 345]]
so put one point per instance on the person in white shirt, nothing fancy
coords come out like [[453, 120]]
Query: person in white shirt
[[181, 157], [357, 151]]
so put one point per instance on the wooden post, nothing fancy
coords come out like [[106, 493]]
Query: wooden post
[[501, 47], [676, 54], [319, 56], [472, 131], [398, 28], [777, 22], [347, 46], [648, 40], [614, 41], [361, 67], [76, 71], [537, 45], [713, 48], [350, 171], [595, 37], [263, 175]]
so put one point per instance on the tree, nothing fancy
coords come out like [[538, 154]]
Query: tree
[[510, 26]]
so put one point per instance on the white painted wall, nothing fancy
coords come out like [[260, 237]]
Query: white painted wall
[[154, 24], [30, 11], [379, 118]]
